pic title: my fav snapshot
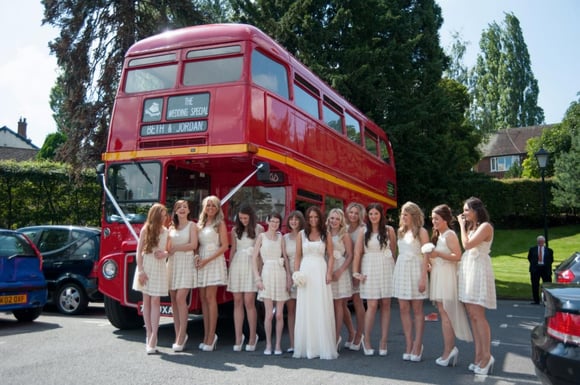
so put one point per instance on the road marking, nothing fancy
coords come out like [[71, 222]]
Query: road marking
[[497, 343], [522, 316]]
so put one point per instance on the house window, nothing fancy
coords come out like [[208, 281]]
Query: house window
[[504, 163]]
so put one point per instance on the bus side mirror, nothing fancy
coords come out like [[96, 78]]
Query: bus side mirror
[[100, 169], [263, 173]]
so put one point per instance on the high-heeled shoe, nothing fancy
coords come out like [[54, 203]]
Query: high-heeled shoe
[[179, 348], [486, 369], [472, 366], [451, 358], [251, 348], [417, 357], [367, 352], [347, 343], [150, 349], [407, 356], [209, 348], [338, 343], [238, 348], [355, 347]]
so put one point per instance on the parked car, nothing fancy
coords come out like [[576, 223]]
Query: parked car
[[569, 270], [556, 342], [22, 285], [70, 255]]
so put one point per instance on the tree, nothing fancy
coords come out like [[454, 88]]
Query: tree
[[94, 37], [456, 69], [51, 146], [567, 165], [504, 89], [384, 57]]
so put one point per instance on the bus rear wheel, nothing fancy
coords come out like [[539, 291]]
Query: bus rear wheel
[[122, 317]]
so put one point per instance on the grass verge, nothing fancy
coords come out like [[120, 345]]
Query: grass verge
[[509, 254]]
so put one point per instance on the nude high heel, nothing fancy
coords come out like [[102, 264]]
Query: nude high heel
[[238, 348], [251, 348]]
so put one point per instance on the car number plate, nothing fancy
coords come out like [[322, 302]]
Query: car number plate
[[13, 299]]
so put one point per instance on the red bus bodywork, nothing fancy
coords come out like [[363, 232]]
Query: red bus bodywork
[[216, 132]]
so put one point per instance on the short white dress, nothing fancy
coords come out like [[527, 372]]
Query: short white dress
[[444, 289], [156, 269], [273, 272], [476, 278], [407, 272], [214, 273], [343, 287], [241, 273], [180, 265], [378, 265], [290, 245]]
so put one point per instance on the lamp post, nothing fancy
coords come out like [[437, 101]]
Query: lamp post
[[542, 158]]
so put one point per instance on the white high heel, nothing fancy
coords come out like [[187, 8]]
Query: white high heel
[[367, 352], [451, 358], [210, 348], [417, 357], [238, 348], [251, 348], [486, 369]]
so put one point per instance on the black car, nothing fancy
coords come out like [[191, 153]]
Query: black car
[[70, 255], [569, 270], [22, 284], [556, 342]]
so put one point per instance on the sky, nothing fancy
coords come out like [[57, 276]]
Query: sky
[[550, 28]]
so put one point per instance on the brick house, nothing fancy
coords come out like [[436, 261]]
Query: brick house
[[16, 145], [506, 147]]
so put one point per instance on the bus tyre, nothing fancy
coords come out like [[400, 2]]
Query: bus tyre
[[71, 299], [122, 317]]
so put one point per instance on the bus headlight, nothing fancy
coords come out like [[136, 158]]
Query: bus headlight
[[109, 269]]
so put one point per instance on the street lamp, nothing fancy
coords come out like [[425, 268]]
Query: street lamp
[[542, 158]]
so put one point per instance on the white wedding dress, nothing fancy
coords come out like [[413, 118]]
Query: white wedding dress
[[314, 334]]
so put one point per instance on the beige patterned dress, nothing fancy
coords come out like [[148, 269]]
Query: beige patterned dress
[[476, 278], [180, 265], [377, 265], [273, 271], [241, 275], [156, 269], [214, 273], [407, 272]]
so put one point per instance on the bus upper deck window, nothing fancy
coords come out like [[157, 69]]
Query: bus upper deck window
[[269, 74], [151, 79], [219, 70]]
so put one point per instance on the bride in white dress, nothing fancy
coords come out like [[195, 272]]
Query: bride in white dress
[[315, 331]]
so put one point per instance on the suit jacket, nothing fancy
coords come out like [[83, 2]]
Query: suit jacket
[[533, 258]]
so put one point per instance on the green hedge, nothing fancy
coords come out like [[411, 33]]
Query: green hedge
[[33, 193], [50, 193]]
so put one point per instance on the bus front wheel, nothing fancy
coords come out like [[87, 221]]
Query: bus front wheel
[[122, 317]]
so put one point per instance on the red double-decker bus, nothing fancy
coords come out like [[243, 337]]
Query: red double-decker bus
[[224, 110]]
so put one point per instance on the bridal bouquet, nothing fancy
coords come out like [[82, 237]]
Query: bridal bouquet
[[299, 279], [427, 248]]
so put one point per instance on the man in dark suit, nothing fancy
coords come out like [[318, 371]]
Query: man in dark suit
[[541, 258]]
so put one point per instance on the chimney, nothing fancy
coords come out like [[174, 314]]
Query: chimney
[[22, 127]]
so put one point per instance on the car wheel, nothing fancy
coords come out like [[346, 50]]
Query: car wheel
[[71, 299], [122, 317], [27, 315]]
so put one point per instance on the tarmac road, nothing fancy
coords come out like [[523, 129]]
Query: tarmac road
[[61, 350]]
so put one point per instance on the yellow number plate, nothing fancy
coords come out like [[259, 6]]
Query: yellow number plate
[[13, 299]]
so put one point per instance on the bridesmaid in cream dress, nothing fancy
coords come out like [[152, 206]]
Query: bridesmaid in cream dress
[[373, 266], [295, 223], [443, 289], [355, 216], [181, 269], [274, 283], [151, 274], [476, 279], [410, 278], [241, 278], [341, 277], [211, 266]]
